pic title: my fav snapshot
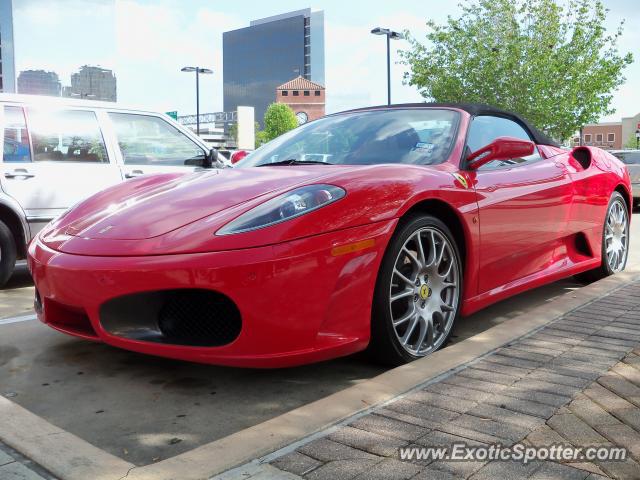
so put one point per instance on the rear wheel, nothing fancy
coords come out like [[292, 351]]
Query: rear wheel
[[615, 241], [7, 254], [418, 292]]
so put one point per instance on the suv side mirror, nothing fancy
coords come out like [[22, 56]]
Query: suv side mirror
[[210, 159], [502, 148], [207, 161]]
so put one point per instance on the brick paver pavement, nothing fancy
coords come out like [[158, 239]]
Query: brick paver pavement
[[14, 466], [575, 381]]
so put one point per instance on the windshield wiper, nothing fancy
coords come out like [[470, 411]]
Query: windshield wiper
[[293, 161]]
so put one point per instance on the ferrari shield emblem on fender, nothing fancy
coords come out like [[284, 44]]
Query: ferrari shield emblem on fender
[[462, 180]]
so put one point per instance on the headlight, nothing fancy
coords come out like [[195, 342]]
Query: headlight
[[284, 207]]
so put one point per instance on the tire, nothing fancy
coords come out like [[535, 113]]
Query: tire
[[610, 266], [414, 283], [8, 254]]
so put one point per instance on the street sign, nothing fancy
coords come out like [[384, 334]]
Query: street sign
[[173, 115]]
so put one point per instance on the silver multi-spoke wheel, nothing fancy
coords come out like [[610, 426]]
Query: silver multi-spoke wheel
[[616, 236], [424, 291]]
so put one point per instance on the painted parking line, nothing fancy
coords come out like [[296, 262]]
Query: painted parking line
[[21, 318]]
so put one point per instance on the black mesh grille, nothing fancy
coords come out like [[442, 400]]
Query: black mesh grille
[[198, 317]]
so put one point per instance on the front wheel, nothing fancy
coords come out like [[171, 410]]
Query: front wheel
[[418, 292], [615, 241], [7, 254]]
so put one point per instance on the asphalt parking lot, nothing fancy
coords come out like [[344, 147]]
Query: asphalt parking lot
[[144, 409]]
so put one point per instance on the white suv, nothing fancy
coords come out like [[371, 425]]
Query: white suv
[[55, 152], [632, 159]]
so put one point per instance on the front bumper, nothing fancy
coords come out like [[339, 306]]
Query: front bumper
[[300, 302]]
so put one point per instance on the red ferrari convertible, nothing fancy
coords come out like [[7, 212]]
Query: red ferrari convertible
[[370, 228]]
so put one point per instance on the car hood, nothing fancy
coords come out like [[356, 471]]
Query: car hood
[[155, 205]]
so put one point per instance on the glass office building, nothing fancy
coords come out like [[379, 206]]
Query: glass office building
[[94, 83], [269, 52], [39, 82], [7, 62]]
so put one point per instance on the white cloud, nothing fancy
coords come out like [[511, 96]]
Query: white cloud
[[156, 38], [47, 31], [172, 36], [151, 53], [356, 70]]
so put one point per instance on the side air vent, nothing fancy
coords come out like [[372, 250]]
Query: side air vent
[[582, 245], [582, 156]]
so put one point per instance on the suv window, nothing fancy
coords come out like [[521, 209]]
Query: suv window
[[147, 140], [66, 136], [16, 139], [485, 129], [630, 158]]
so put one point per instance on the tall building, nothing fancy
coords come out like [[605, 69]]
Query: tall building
[[7, 62], [94, 83], [269, 52], [39, 82]]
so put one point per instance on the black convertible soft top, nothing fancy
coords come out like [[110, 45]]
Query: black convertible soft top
[[474, 109]]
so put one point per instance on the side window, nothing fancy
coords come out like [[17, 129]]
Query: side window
[[16, 139], [66, 136], [147, 140], [485, 129]]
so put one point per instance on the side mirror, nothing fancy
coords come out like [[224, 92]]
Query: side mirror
[[502, 148], [211, 159], [238, 155]]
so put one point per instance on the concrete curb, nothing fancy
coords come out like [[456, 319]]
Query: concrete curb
[[62, 453], [71, 458]]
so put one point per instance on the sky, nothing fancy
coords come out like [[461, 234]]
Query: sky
[[146, 42]]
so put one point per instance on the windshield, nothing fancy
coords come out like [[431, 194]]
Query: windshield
[[414, 136]]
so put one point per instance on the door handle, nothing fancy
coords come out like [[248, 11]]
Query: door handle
[[19, 172], [133, 174]]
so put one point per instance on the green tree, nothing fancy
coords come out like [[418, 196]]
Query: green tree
[[261, 137], [631, 142], [555, 65], [233, 133], [278, 119]]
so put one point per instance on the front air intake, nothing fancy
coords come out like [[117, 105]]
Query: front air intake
[[192, 317]]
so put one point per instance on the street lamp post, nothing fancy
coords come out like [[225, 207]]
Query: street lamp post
[[391, 35], [198, 71]]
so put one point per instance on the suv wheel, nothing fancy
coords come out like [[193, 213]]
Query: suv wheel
[[7, 254]]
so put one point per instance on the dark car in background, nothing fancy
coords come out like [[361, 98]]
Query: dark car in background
[[631, 158]]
